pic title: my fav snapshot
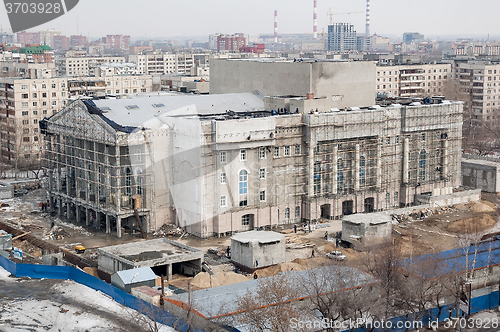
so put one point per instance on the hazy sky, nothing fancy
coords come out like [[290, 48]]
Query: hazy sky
[[165, 18]]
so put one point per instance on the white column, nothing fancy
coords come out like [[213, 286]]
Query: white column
[[406, 159], [334, 169], [356, 168]]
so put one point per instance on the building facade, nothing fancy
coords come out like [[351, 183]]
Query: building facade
[[23, 103], [480, 83], [84, 66], [347, 83], [164, 63], [212, 171], [418, 80], [342, 38]]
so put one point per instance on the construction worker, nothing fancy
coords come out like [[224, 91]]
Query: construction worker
[[295, 228], [326, 236]]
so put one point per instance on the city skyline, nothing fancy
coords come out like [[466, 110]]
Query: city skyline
[[159, 19]]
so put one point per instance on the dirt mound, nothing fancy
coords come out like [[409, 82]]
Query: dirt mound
[[472, 225], [278, 268], [91, 270], [203, 279], [481, 206]]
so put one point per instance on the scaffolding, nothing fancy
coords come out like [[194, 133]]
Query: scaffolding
[[95, 176]]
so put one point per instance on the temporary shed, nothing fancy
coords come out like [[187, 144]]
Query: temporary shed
[[128, 279]]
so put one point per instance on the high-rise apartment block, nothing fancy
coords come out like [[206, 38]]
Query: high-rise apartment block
[[230, 42], [342, 37], [23, 103]]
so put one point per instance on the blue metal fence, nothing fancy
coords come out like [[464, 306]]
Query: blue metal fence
[[67, 272]]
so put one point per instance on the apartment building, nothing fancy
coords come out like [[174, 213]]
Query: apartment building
[[84, 66], [163, 63], [109, 84], [23, 103], [416, 80], [480, 83]]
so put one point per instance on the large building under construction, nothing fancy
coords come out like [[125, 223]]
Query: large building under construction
[[220, 164]]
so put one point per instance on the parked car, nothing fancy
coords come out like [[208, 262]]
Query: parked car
[[336, 255]]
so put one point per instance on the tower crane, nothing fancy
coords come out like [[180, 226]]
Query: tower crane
[[330, 14]]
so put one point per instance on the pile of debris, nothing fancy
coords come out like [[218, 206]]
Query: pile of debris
[[56, 233], [169, 230], [297, 242], [215, 256]]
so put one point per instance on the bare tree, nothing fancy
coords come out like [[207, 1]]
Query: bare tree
[[270, 307], [340, 294]]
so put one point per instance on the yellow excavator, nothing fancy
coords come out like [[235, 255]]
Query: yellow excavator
[[79, 249]]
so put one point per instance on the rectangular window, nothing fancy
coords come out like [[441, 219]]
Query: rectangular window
[[35, 103], [25, 104], [262, 195], [287, 150], [297, 149], [44, 86], [262, 173], [53, 86], [54, 103], [35, 121], [24, 87], [243, 155], [423, 136], [54, 95], [223, 157], [223, 201], [223, 178], [25, 96], [396, 140], [25, 113], [35, 112], [276, 152], [262, 153]]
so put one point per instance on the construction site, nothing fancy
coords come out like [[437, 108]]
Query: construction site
[[270, 161]]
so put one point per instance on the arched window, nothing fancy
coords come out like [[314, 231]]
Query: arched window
[[287, 213], [128, 181], [340, 175], [317, 178], [362, 171], [387, 200], [396, 198], [243, 182], [421, 163], [139, 181], [297, 212]]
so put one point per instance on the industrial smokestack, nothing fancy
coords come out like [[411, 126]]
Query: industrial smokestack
[[315, 20], [275, 26], [367, 18]]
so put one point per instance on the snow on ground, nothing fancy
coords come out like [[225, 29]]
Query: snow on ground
[[67, 306]]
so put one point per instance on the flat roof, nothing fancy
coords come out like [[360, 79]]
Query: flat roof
[[482, 162], [137, 111], [152, 252], [223, 300], [258, 236], [368, 218]]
